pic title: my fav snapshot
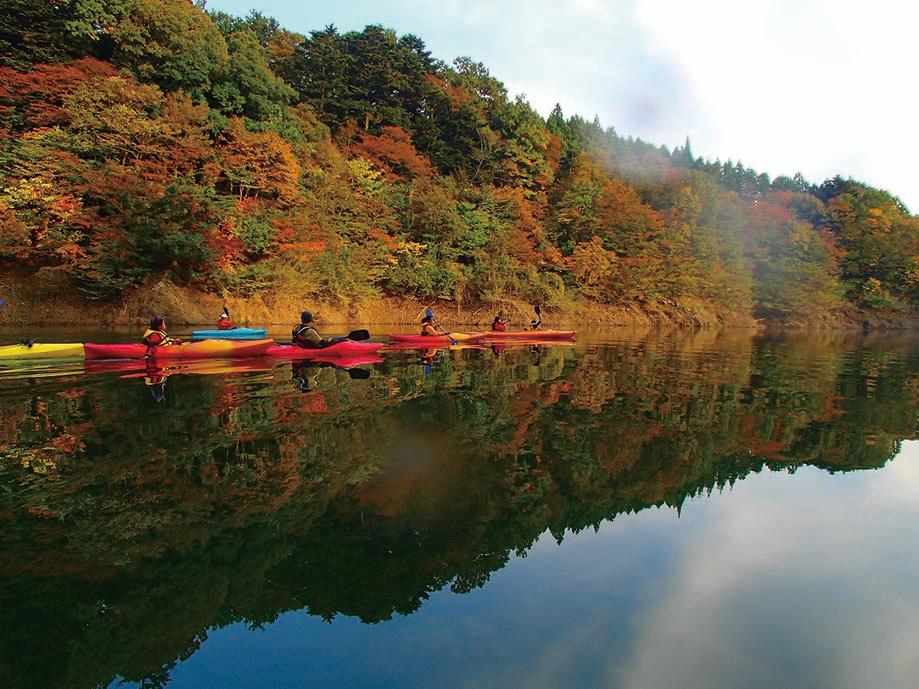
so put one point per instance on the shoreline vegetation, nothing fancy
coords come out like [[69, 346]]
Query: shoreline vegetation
[[159, 158], [37, 305]]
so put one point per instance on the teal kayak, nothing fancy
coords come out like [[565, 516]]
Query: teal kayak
[[231, 334]]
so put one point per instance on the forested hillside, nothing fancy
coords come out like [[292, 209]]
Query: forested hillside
[[145, 140]]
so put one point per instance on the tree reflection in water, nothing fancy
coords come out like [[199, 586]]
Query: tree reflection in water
[[130, 528]]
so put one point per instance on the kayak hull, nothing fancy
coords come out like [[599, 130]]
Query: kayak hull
[[468, 337], [41, 351], [344, 349], [529, 335], [204, 349], [435, 340], [232, 334]]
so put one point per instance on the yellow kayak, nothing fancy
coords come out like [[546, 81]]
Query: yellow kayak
[[41, 351], [467, 337]]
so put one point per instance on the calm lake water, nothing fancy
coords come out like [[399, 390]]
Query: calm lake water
[[695, 510]]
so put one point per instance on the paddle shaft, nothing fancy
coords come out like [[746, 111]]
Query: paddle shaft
[[443, 330]]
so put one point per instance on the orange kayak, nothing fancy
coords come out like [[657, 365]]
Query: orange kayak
[[435, 340], [205, 349], [529, 335]]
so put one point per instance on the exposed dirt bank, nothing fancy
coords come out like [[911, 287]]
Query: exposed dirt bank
[[45, 301]]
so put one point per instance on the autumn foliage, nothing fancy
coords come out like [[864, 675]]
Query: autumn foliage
[[143, 140]]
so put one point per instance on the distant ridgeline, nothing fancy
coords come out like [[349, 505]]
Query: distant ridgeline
[[153, 139], [122, 543]]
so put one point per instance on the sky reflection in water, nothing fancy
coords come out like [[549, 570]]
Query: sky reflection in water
[[806, 578], [400, 530]]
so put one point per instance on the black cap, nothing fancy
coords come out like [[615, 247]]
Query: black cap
[[306, 317], [157, 321]]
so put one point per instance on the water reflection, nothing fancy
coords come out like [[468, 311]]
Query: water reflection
[[133, 529], [822, 590]]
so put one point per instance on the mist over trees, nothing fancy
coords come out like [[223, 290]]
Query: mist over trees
[[155, 138]]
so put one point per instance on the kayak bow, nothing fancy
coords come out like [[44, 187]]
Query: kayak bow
[[529, 335], [435, 340], [41, 351]]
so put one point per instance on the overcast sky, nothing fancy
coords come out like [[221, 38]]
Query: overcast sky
[[822, 87]]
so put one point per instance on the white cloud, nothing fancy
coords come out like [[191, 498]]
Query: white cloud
[[815, 86], [814, 582], [818, 86]]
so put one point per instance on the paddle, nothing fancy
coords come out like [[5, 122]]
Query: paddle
[[534, 324], [430, 314], [355, 335], [358, 335]]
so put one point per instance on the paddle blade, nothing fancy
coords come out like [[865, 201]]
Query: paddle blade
[[428, 313], [358, 373], [359, 335]]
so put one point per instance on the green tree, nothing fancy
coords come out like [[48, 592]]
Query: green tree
[[172, 43], [246, 84]]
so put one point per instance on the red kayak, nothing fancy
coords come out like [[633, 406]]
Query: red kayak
[[529, 335], [205, 349], [343, 349]]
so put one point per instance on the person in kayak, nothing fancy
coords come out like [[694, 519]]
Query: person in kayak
[[498, 325], [225, 322], [305, 335], [155, 335], [536, 322], [427, 327]]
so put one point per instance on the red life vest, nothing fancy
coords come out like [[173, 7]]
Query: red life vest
[[498, 326], [224, 324]]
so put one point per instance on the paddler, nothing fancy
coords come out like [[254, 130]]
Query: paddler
[[498, 325], [155, 335], [427, 327], [536, 322], [225, 322], [305, 335]]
